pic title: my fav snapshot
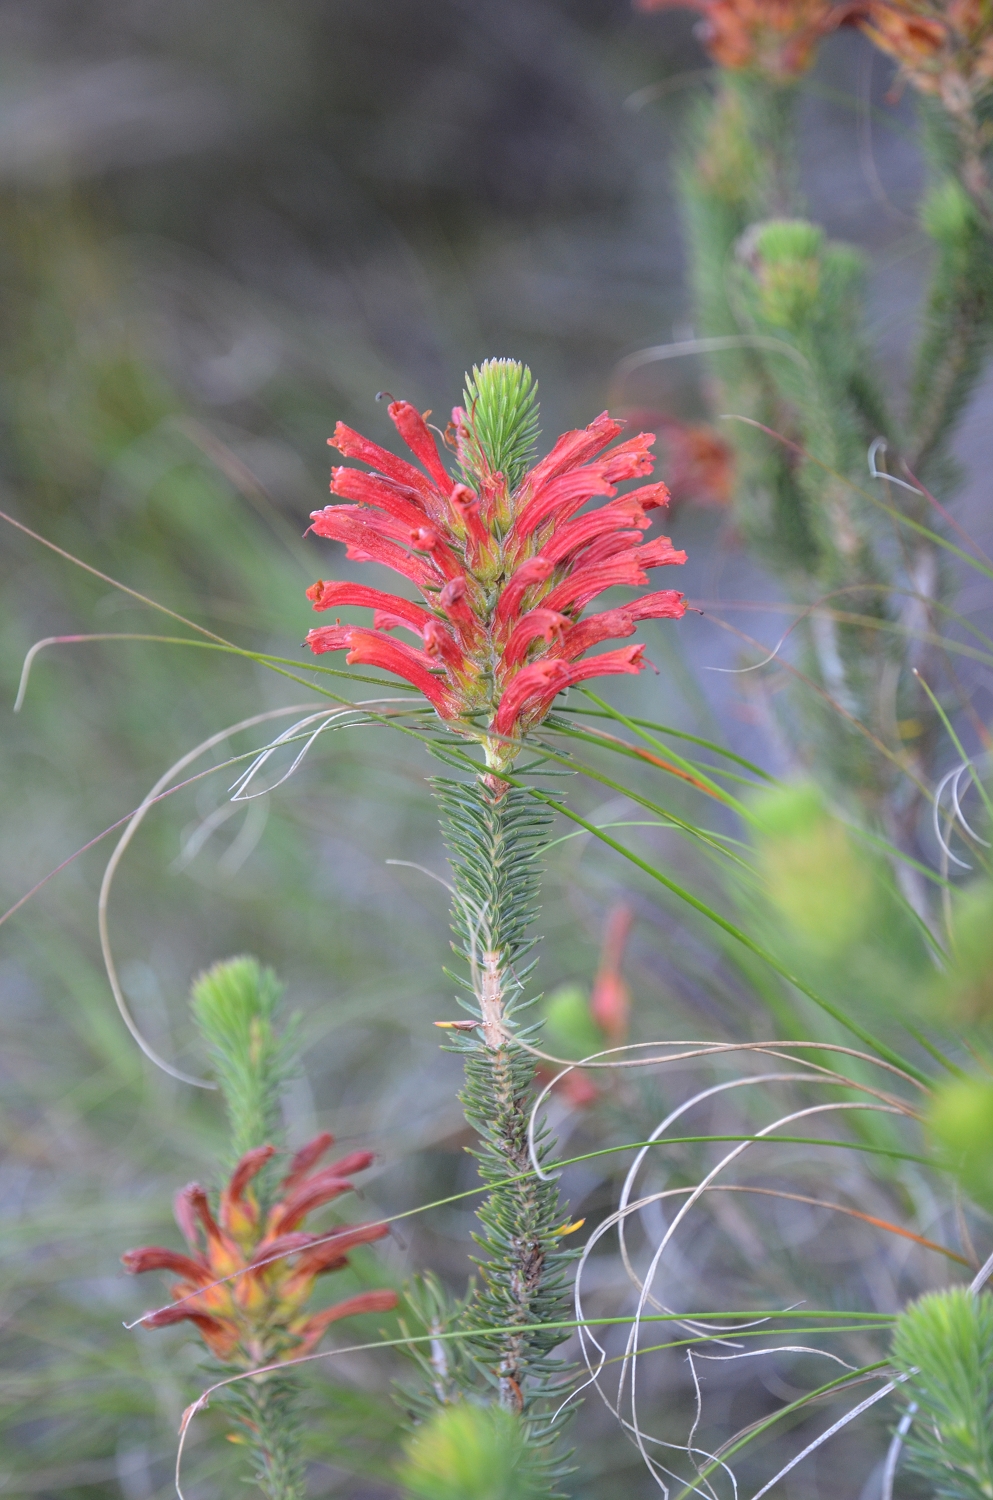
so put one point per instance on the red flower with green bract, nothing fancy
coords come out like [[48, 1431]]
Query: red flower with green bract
[[505, 564], [249, 1274]]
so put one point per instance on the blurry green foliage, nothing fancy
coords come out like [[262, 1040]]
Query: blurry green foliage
[[830, 904], [569, 1031], [948, 214], [963, 992], [469, 1452], [817, 878], [960, 1119]]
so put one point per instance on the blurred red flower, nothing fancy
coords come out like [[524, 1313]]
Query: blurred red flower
[[775, 37], [700, 462], [944, 49], [504, 575], [610, 1003], [258, 1317], [608, 1009]]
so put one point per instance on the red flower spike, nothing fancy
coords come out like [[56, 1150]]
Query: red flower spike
[[246, 1297], [505, 567]]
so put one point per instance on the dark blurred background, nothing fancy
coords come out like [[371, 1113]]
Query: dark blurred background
[[223, 226]]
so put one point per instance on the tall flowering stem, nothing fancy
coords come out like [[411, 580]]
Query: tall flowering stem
[[506, 555], [495, 842], [247, 1275]]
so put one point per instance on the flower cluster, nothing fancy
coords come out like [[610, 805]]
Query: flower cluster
[[505, 562], [258, 1316], [777, 38], [942, 48]]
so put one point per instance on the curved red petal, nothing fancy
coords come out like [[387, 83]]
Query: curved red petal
[[428, 538], [559, 498], [329, 638], [650, 496], [609, 625], [399, 501], [372, 650], [220, 1336], [454, 601], [667, 604], [610, 664], [336, 521], [576, 591], [440, 644], [311, 1194], [617, 515], [353, 445], [157, 1258], [366, 543], [537, 624], [420, 440], [250, 1166], [533, 687], [342, 595], [659, 553], [575, 448], [631, 458], [333, 1253], [365, 1302], [280, 1245], [535, 570], [310, 1153], [196, 1206]]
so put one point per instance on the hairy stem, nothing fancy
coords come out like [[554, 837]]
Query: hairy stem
[[265, 1410], [495, 836]]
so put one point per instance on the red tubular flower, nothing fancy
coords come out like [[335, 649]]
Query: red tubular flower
[[504, 567], [258, 1316]]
